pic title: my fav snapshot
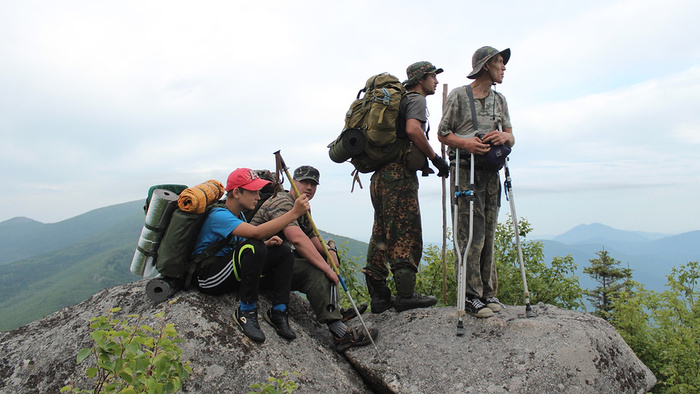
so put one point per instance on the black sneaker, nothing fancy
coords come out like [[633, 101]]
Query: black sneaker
[[350, 312], [414, 301], [354, 336], [476, 308], [248, 322], [280, 321]]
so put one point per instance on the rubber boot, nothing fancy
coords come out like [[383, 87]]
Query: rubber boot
[[406, 298], [381, 298]]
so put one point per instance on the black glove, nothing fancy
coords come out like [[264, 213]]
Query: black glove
[[441, 165]]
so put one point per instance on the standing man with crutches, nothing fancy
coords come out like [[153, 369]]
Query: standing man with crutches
[[470, 111]]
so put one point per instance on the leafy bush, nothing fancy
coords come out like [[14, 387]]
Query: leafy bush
[[663, 329], [131, 358], [274, 385], [351, 271]]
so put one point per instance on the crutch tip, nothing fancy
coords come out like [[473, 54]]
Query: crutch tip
[[460, 329], [528, 311]]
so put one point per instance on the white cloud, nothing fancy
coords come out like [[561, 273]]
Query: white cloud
[[602, 97]]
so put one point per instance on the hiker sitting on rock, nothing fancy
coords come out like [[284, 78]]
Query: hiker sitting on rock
[[312, 276], [247, 263]]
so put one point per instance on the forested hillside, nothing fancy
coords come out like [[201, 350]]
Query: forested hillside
[[49, 266]]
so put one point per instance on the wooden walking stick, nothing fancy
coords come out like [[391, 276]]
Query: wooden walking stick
[[444, 212]]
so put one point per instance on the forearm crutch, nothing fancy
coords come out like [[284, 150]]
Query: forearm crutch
[[461, 258]]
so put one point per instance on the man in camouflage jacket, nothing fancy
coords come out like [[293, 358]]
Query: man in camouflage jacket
[[397, 239]]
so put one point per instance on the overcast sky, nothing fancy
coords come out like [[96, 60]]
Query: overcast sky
[[100, 100]]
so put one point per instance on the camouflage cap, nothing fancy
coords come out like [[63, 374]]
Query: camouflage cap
[[307, 173], [415, 72], [483, 55]]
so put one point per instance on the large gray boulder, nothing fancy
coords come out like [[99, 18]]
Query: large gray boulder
[[556, 351]]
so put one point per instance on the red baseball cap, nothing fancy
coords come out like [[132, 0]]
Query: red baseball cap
[[245, 178]]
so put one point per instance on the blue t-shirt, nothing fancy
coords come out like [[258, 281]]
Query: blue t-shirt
[[218, 225]]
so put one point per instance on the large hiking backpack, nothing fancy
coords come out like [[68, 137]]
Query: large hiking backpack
[[173, 220], [369, 138], [174, 257]]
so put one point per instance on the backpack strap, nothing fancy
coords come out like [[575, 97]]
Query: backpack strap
[[200, 260], [470, 94], [355, 178], [475, 123]]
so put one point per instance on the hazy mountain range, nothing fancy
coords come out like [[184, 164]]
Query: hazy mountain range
[[45, 267], [651, 256]]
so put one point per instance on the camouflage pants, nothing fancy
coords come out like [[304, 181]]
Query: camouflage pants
[[481, 280], [397, 238]]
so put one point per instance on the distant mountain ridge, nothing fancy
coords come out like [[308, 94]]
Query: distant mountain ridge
[[22, 238], [651, 256], [45, 267], [595, 232]]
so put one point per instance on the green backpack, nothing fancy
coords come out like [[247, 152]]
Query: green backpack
[[369, 137], [174, 257]]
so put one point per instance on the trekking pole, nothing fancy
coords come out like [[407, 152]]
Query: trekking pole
[[514, 217], [462, 257], [444, 211], [281, 165]]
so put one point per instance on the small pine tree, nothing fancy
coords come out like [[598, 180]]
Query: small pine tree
[[611, 279]]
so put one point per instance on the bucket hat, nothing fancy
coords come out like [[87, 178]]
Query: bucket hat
[[415, 72], [483, 55]]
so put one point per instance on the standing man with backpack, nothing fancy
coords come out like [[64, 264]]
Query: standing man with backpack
[[244, 257], [397, 240], [312, 275], [458, 132]]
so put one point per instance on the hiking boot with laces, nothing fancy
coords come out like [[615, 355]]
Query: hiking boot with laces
[[493, 303], [414, 301], [354, 336], [248, 322], [350, 312], [280, 321], [476, 308]]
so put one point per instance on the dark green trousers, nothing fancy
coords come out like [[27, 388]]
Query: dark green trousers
[[308, 279]]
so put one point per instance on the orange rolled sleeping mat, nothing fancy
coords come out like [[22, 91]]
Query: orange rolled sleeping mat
[[196, 199]]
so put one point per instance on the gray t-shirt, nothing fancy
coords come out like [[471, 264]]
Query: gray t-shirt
[[412, 106]]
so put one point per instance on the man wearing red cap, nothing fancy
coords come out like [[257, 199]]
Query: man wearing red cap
[[459, 130], [245, 258]]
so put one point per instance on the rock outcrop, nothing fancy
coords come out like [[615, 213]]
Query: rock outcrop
[[557, 351]]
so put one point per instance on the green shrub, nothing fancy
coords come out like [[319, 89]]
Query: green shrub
[[274, 385], [132, 358]]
